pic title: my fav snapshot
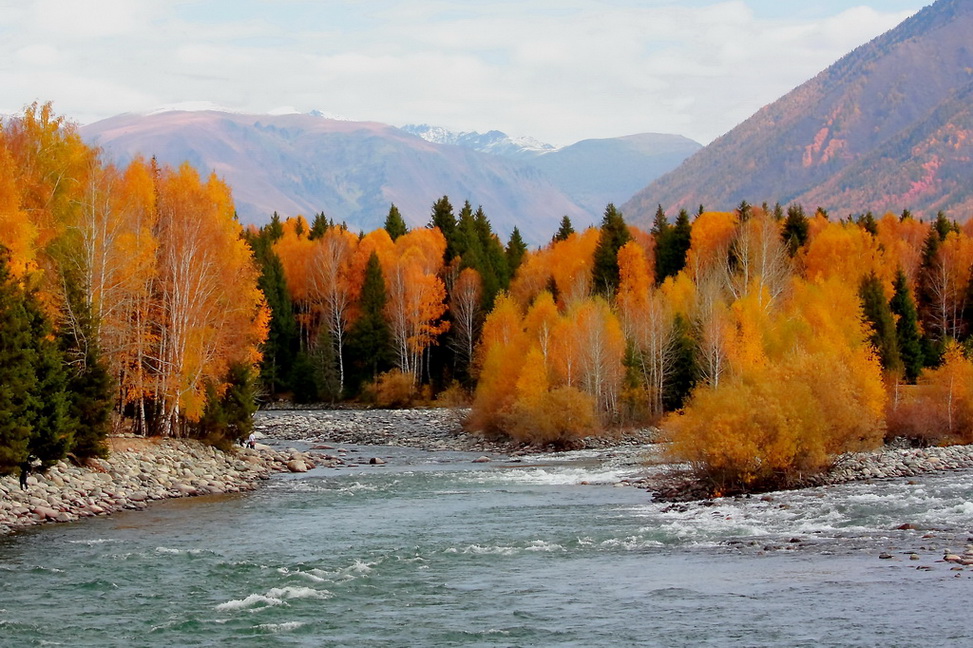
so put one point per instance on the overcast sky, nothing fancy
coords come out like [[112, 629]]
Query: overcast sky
[[557, 70]]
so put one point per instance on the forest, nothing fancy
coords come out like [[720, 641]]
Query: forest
[[764, 341]]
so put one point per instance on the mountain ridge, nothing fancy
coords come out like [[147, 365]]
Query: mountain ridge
[[809, 146], [352, 171]]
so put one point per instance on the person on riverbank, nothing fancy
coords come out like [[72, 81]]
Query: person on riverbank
[[24, 473], [252, 441]]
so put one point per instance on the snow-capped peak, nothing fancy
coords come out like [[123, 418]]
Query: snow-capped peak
[[494, 141]]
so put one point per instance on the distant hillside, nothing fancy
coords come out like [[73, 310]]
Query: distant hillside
[[350, 170], [592, 172], [888, 126]]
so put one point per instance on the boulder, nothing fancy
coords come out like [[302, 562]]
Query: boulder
[[296, 466]]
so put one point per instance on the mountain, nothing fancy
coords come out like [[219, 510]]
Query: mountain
[[352, 171], [887, 127], [592, 172]]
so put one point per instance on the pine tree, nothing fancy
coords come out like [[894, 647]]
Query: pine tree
[[565, 230], [283, 338], [229, 418], [394, 223], [744, 211], [877, 313], [795, 230], [868, 223], [444, 219], [319, 226], [17, 378], [672, 243], [907, 328], [274, 229], [90, 389], [516, 249], [614, 234], [682, 376], [494, 270], [369, 340], [660, 232], [52, 428]]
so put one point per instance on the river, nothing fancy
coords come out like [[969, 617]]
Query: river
[[434, 550]]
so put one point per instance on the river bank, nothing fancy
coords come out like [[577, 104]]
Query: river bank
[[140, 470], [136, 472]]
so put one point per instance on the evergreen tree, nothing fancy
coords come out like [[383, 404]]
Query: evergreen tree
[[445, 220], [868, 223], [672, 244], [369, 340], [52, 428], [614, 234], [229, 418], [494, 270], [274, 229], [516, 249], [795, 230], [907, 335], [565, 230], [90, 389], [283, 336], [303, 378], [395, 224], [17, 378], [682, 375], [660, 231], [877, 313], [326, 373], [744, 211], [319, 226], [466, 240], [778, 212], [90, 398]]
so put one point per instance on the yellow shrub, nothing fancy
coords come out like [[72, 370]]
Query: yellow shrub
[[559, 417], [393, 389]]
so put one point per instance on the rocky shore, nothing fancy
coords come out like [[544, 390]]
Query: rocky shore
[[137, 472], [433, 429]]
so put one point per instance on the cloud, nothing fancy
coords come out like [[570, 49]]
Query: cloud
[[559, 71]]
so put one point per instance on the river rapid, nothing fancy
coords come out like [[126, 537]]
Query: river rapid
[[432, 549]]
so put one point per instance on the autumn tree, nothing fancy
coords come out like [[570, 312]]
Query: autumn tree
[[464, 305], [211, 313]]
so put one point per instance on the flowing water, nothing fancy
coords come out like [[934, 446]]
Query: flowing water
[[434, 550]]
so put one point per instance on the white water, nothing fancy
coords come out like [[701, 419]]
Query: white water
[[433, 550]]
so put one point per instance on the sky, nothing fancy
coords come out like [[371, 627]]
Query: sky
[[556, 70]]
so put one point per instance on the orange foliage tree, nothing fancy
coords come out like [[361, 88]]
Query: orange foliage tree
[[772, 420], [210, 312]]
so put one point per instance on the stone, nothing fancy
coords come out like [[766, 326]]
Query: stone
[[376, 461], [483, 459], [296, 466]]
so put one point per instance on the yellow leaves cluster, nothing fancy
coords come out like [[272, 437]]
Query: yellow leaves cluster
[[155, 254], [546, 377], [775, 417]]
